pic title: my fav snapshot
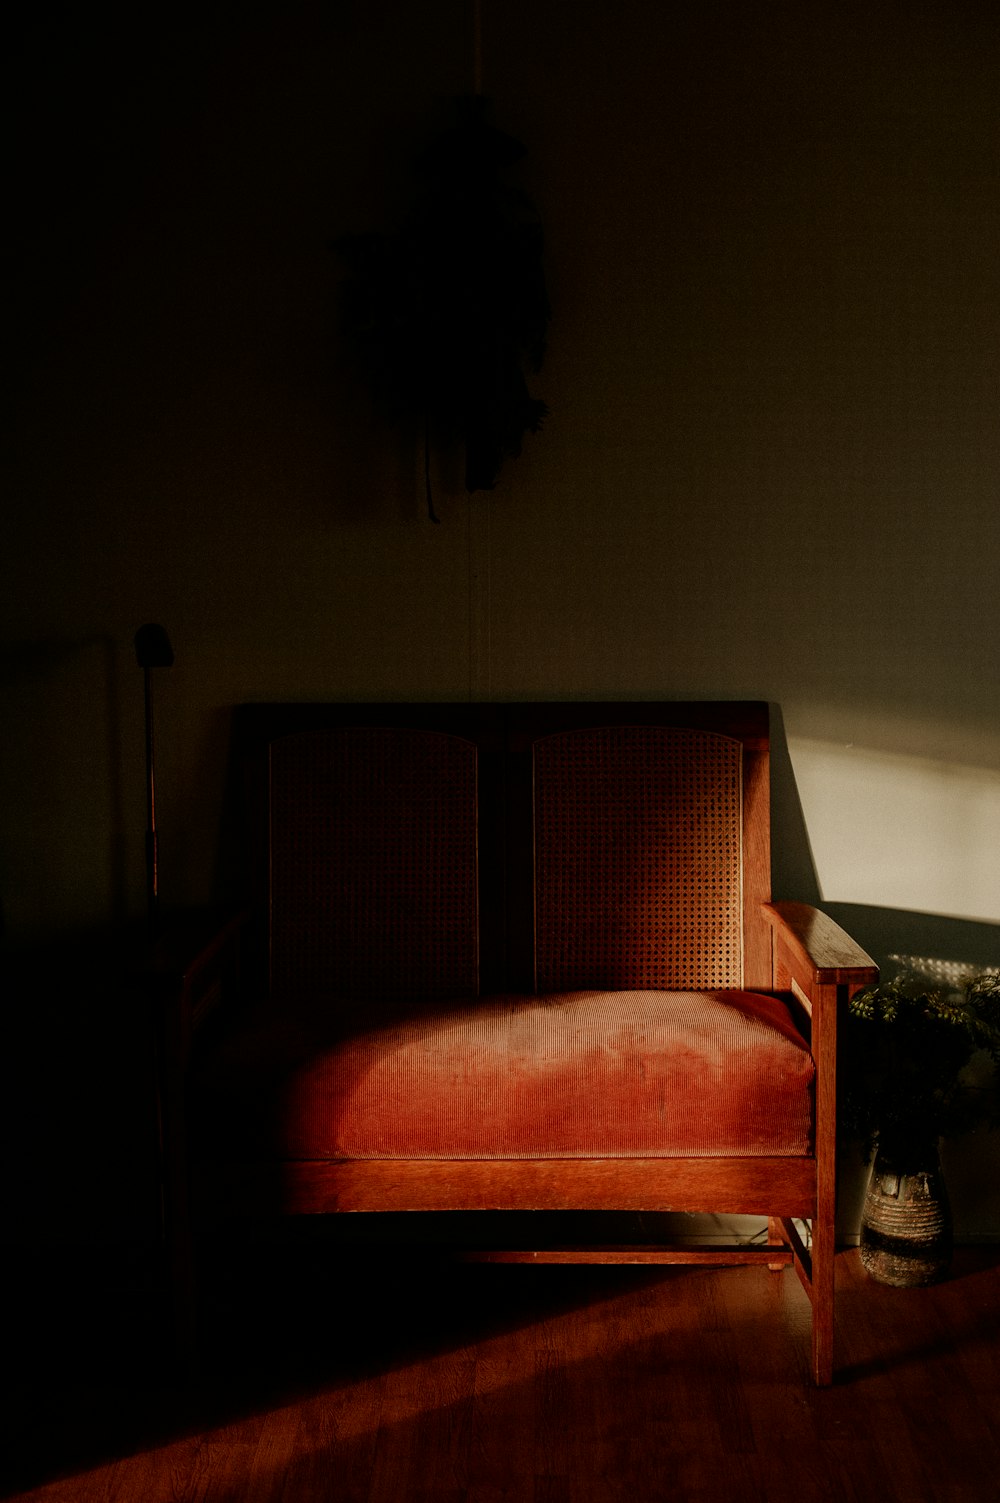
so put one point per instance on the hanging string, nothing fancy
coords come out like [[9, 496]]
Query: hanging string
[[477, 46], [428, 491]]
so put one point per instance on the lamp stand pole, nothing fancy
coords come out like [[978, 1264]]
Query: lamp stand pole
[[152, 650]]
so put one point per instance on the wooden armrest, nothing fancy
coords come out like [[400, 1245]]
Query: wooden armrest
[[820, 947]]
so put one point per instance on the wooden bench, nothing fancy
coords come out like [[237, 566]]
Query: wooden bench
[[514, 957]]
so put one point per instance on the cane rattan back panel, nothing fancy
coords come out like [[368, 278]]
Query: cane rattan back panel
[[638, 861], [372, 881]]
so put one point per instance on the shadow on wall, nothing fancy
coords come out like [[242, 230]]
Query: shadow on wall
[[947, 942], [793, 870]]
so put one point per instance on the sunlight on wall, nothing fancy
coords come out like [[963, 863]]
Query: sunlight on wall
[[899, 831]]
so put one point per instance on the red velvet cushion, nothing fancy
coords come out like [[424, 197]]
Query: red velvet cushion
[[569, 1075]]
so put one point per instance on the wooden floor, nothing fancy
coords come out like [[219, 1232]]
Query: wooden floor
[[361, 1379]]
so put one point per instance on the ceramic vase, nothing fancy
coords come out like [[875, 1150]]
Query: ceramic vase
[[906, 1236]]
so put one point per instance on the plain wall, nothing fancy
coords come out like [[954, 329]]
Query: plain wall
[[770, 468]]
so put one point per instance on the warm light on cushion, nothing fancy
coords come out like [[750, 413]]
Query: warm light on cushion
[[570, 1075]]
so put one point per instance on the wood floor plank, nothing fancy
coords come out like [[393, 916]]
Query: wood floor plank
[[335, 1440], [423, 1439], [501, 1457], [603, 1385]]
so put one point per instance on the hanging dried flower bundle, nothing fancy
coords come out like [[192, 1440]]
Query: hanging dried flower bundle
[[448, 311]]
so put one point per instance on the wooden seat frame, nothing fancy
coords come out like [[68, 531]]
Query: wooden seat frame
[[788, 949]]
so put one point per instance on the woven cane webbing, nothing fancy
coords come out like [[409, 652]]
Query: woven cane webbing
[[638, 859], [373, 885]]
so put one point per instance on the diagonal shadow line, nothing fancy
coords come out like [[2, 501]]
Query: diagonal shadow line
[[413, 1339], [269, 1352], [544, 1365]]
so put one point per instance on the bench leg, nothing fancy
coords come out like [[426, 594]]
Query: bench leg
[[823, 1248], [776, 1238]]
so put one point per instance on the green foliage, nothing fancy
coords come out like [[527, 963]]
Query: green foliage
[[907, 1045]]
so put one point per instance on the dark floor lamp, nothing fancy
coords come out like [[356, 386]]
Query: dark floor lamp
[[152, 650]]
